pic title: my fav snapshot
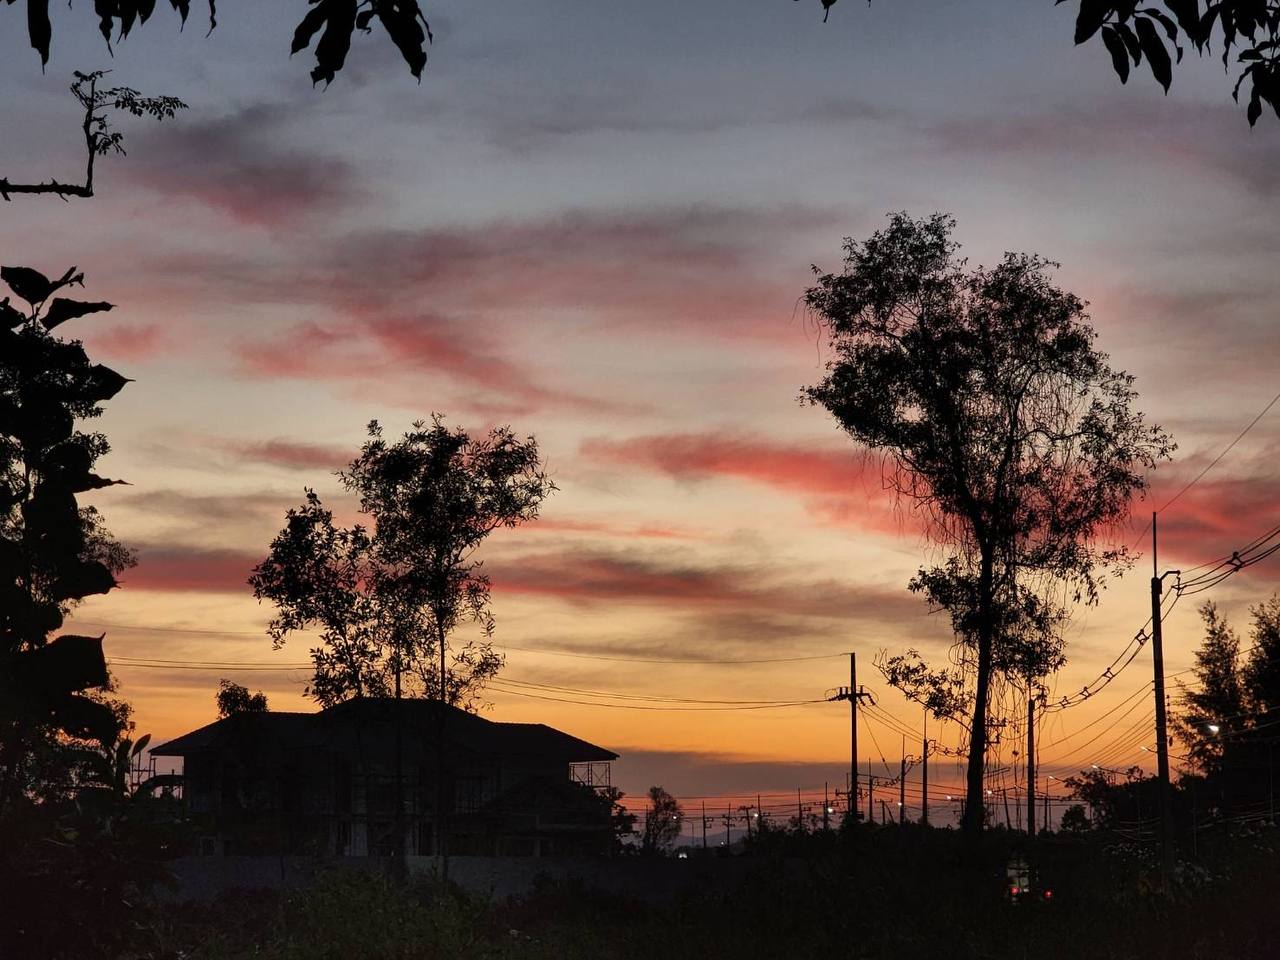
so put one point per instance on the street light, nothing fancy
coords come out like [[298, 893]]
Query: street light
[[1214, 728]]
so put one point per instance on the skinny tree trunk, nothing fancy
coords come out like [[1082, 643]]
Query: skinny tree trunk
[[975, 808]]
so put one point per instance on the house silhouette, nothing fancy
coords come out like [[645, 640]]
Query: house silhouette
[[326, 783]]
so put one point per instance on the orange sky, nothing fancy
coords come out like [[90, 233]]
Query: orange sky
[[597, 231]]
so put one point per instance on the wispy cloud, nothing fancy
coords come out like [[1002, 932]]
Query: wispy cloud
[[239, 165]]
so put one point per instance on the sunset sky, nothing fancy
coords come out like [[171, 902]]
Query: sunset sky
[[594, 222]]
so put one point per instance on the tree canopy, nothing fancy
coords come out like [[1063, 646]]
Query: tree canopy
[[1004, 428], [233, 698], [53, 552], [386, 597], [1228, 716], [1247, 33], [1220, 698], [663, 821], [335, 21]]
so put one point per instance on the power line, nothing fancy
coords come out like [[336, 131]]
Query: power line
[[1216, 460], [638, 706], [214, 666], [681, 661]]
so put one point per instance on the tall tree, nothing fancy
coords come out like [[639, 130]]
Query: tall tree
[[1003, 426], [663, 821], [53, 552], [1215, 710], [387, 596]]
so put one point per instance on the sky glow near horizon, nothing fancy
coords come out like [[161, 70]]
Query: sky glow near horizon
[[594, 225]]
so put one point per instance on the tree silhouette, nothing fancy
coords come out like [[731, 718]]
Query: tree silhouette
[[662, 822], [1262, 668], [1002, 425], [53, 552], [99, 138], [1249, 29], [1132, 33], [232, 698], [386, 597], [1220, 697], [334, 20]]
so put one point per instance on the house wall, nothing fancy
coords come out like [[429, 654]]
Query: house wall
[[322, 804]]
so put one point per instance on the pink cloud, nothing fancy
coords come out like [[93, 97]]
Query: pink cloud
[[606, 528], [288, 454], [128, 341], [598, 577], [183, 568], [837, 487]]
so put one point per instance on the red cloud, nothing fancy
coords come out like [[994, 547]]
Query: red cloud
[[285, 453], [841, 487], [1214, 518], [239, 166], [608, 529], [180, 568], [591, 577], [128, 341], [376, 348]]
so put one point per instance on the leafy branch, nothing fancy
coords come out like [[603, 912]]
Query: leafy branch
[[99, 138], [403, 21]]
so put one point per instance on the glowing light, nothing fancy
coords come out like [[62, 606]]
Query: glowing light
[[1214, 728]]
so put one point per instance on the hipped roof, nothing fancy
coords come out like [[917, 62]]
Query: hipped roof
[[370, 721]]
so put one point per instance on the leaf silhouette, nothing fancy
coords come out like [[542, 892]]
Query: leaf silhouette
[[62, 310], [10, 316], [312, 22], [38, 28], [404, 22], [1092, 14], [331, 49], [106, 382], [1119, 53], [31, 285], [1157, 55], [91, 481]]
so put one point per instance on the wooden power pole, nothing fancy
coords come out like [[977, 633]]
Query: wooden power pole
[[924, 781], [1031, 760], [854, 695], [902, 785], [1162, 729]]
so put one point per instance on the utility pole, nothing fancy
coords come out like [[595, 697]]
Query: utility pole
[[1031, 760], [826, 807], [902, 785], [871, 789], [853, 721], [1046, 808], [704, 826], [854, 695], [799, 812], [1162, 731], [401, 865], [728, 829], [924, 780]]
